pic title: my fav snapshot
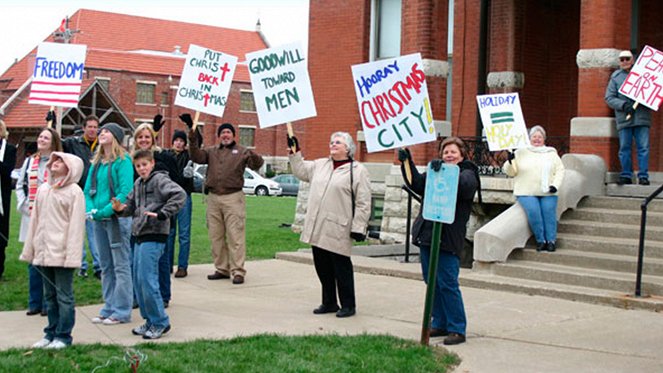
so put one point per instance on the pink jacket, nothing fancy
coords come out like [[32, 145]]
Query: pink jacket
[[57, 224]]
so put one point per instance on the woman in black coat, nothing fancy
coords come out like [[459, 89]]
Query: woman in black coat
[[448, 310], [7, 164]]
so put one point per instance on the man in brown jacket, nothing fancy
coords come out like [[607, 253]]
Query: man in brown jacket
[[226, 204]]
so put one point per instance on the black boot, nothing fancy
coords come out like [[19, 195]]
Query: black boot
[[551, 246], [541, 246]]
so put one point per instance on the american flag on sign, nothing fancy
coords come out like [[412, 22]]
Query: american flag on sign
[[58, 74]]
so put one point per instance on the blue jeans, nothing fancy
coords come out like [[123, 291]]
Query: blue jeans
[[641, 136], [542, 216], [35, 289], [183, 224], [116, 283], [163, 273], [59, 294], [146, 286], [89, 231], [448, 309]]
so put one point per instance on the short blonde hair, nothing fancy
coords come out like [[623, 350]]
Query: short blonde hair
[[146, 127]]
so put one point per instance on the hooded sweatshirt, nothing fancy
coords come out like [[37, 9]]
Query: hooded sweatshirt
[[57, 224]]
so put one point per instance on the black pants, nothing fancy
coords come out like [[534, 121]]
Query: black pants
[[335, 270]]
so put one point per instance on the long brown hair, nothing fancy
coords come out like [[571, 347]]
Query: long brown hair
[[56, 142]]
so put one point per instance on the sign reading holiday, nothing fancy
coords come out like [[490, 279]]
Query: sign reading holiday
[[57, 75], [206, 80], [644, 83], [393, 103], [281, 85], [503, 121]]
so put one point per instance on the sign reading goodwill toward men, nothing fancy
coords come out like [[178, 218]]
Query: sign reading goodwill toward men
[[58, 73], [644, 82], [206, 80], [393, 103], [281, 85], [503, 121]]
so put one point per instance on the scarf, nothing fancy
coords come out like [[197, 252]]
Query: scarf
[[546, 166], [33, 180]]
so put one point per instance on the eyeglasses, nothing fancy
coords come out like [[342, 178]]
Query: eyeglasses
[[337, 142], [622, 59]]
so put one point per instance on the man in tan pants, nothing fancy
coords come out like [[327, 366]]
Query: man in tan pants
[[226, 205]]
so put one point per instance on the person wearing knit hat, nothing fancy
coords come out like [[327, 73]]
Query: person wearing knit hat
[[115, 130], [179, 134], [226, 203]]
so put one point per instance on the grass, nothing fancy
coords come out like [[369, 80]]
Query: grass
[[260, 353], [265, 235]]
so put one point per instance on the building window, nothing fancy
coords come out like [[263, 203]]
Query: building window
[[104, 82], [145, 92], [247, 136], [386, 29], [246, 102], [164, 98]]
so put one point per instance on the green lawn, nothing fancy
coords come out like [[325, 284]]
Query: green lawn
[[260, 353], [265, 236]]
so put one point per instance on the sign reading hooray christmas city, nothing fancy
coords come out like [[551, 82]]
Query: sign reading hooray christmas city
[[205, 81], [644, 83], [503, 121], [281, 85], [58, 73], [393, 103]]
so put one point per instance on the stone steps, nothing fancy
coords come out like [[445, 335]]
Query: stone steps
[[607, 215], [602, 229], [608, 245]]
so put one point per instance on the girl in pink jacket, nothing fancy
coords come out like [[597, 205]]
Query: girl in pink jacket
[[54, 244]]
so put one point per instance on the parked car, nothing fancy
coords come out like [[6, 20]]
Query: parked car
[[253, 182], [289, 184]]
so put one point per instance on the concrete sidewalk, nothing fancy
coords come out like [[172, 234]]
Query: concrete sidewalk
[[506, 333]]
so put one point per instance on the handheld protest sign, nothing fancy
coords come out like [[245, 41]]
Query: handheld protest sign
[[644, 83], [58, 74], [503, 121], [291, 134], [196, 116], [393, 103], [206, 80], [281, 84], [441, 192]]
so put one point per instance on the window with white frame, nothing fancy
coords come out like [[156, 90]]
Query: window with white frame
[[246, 102], [145, 92], [247, 136], [386, 29]]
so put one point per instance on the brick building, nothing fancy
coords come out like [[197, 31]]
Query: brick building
[[132, 71], [557, 54]]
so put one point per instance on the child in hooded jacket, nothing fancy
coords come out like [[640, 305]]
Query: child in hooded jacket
[[155, 198], [53, 244]]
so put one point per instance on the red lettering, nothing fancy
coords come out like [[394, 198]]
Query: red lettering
[[630, 81], [365, 117], [202, 77]]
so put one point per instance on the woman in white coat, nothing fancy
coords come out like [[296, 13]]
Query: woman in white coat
[[339, 206]]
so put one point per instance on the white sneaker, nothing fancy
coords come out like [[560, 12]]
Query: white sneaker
[[56, 345], [41, 343], [110, 321], [98, 319]]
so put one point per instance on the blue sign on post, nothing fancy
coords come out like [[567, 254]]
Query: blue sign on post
[[441, 193]]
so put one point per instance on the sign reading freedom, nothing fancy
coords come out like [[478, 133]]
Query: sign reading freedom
[[58, 73], [644, 83], [393, 103], [281, 85], [206, 80], [503, 121]]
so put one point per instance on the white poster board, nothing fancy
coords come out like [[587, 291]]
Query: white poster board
[[281, 84], [58, 74], [206, 80], [393, 103], [644, 82], [503, 121]]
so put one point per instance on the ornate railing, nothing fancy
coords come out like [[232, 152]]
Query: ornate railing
[[490, 163]]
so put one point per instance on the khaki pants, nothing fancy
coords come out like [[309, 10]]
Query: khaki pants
[[226, 217]]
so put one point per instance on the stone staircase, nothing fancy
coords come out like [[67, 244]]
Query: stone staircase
[[596, 257]]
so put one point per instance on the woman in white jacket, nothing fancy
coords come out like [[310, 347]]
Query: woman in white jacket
[[538, 173]]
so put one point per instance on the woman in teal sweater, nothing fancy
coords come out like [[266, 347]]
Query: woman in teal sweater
[[111, 176]]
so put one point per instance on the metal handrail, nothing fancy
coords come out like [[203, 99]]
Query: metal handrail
[[641, 247], [410, 194]]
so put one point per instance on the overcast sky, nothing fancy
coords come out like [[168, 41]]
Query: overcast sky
[[28, 22]]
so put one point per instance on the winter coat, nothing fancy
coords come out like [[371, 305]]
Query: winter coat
[[22, 193], [122, 171], [329, 219], [616, 101], [57, 225], [453, 235], [534, 170], [182, 159], [157, 194], [6, 167], [77, 146], [225, 165]]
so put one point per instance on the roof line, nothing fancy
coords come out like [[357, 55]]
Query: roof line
[[11, 99]]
